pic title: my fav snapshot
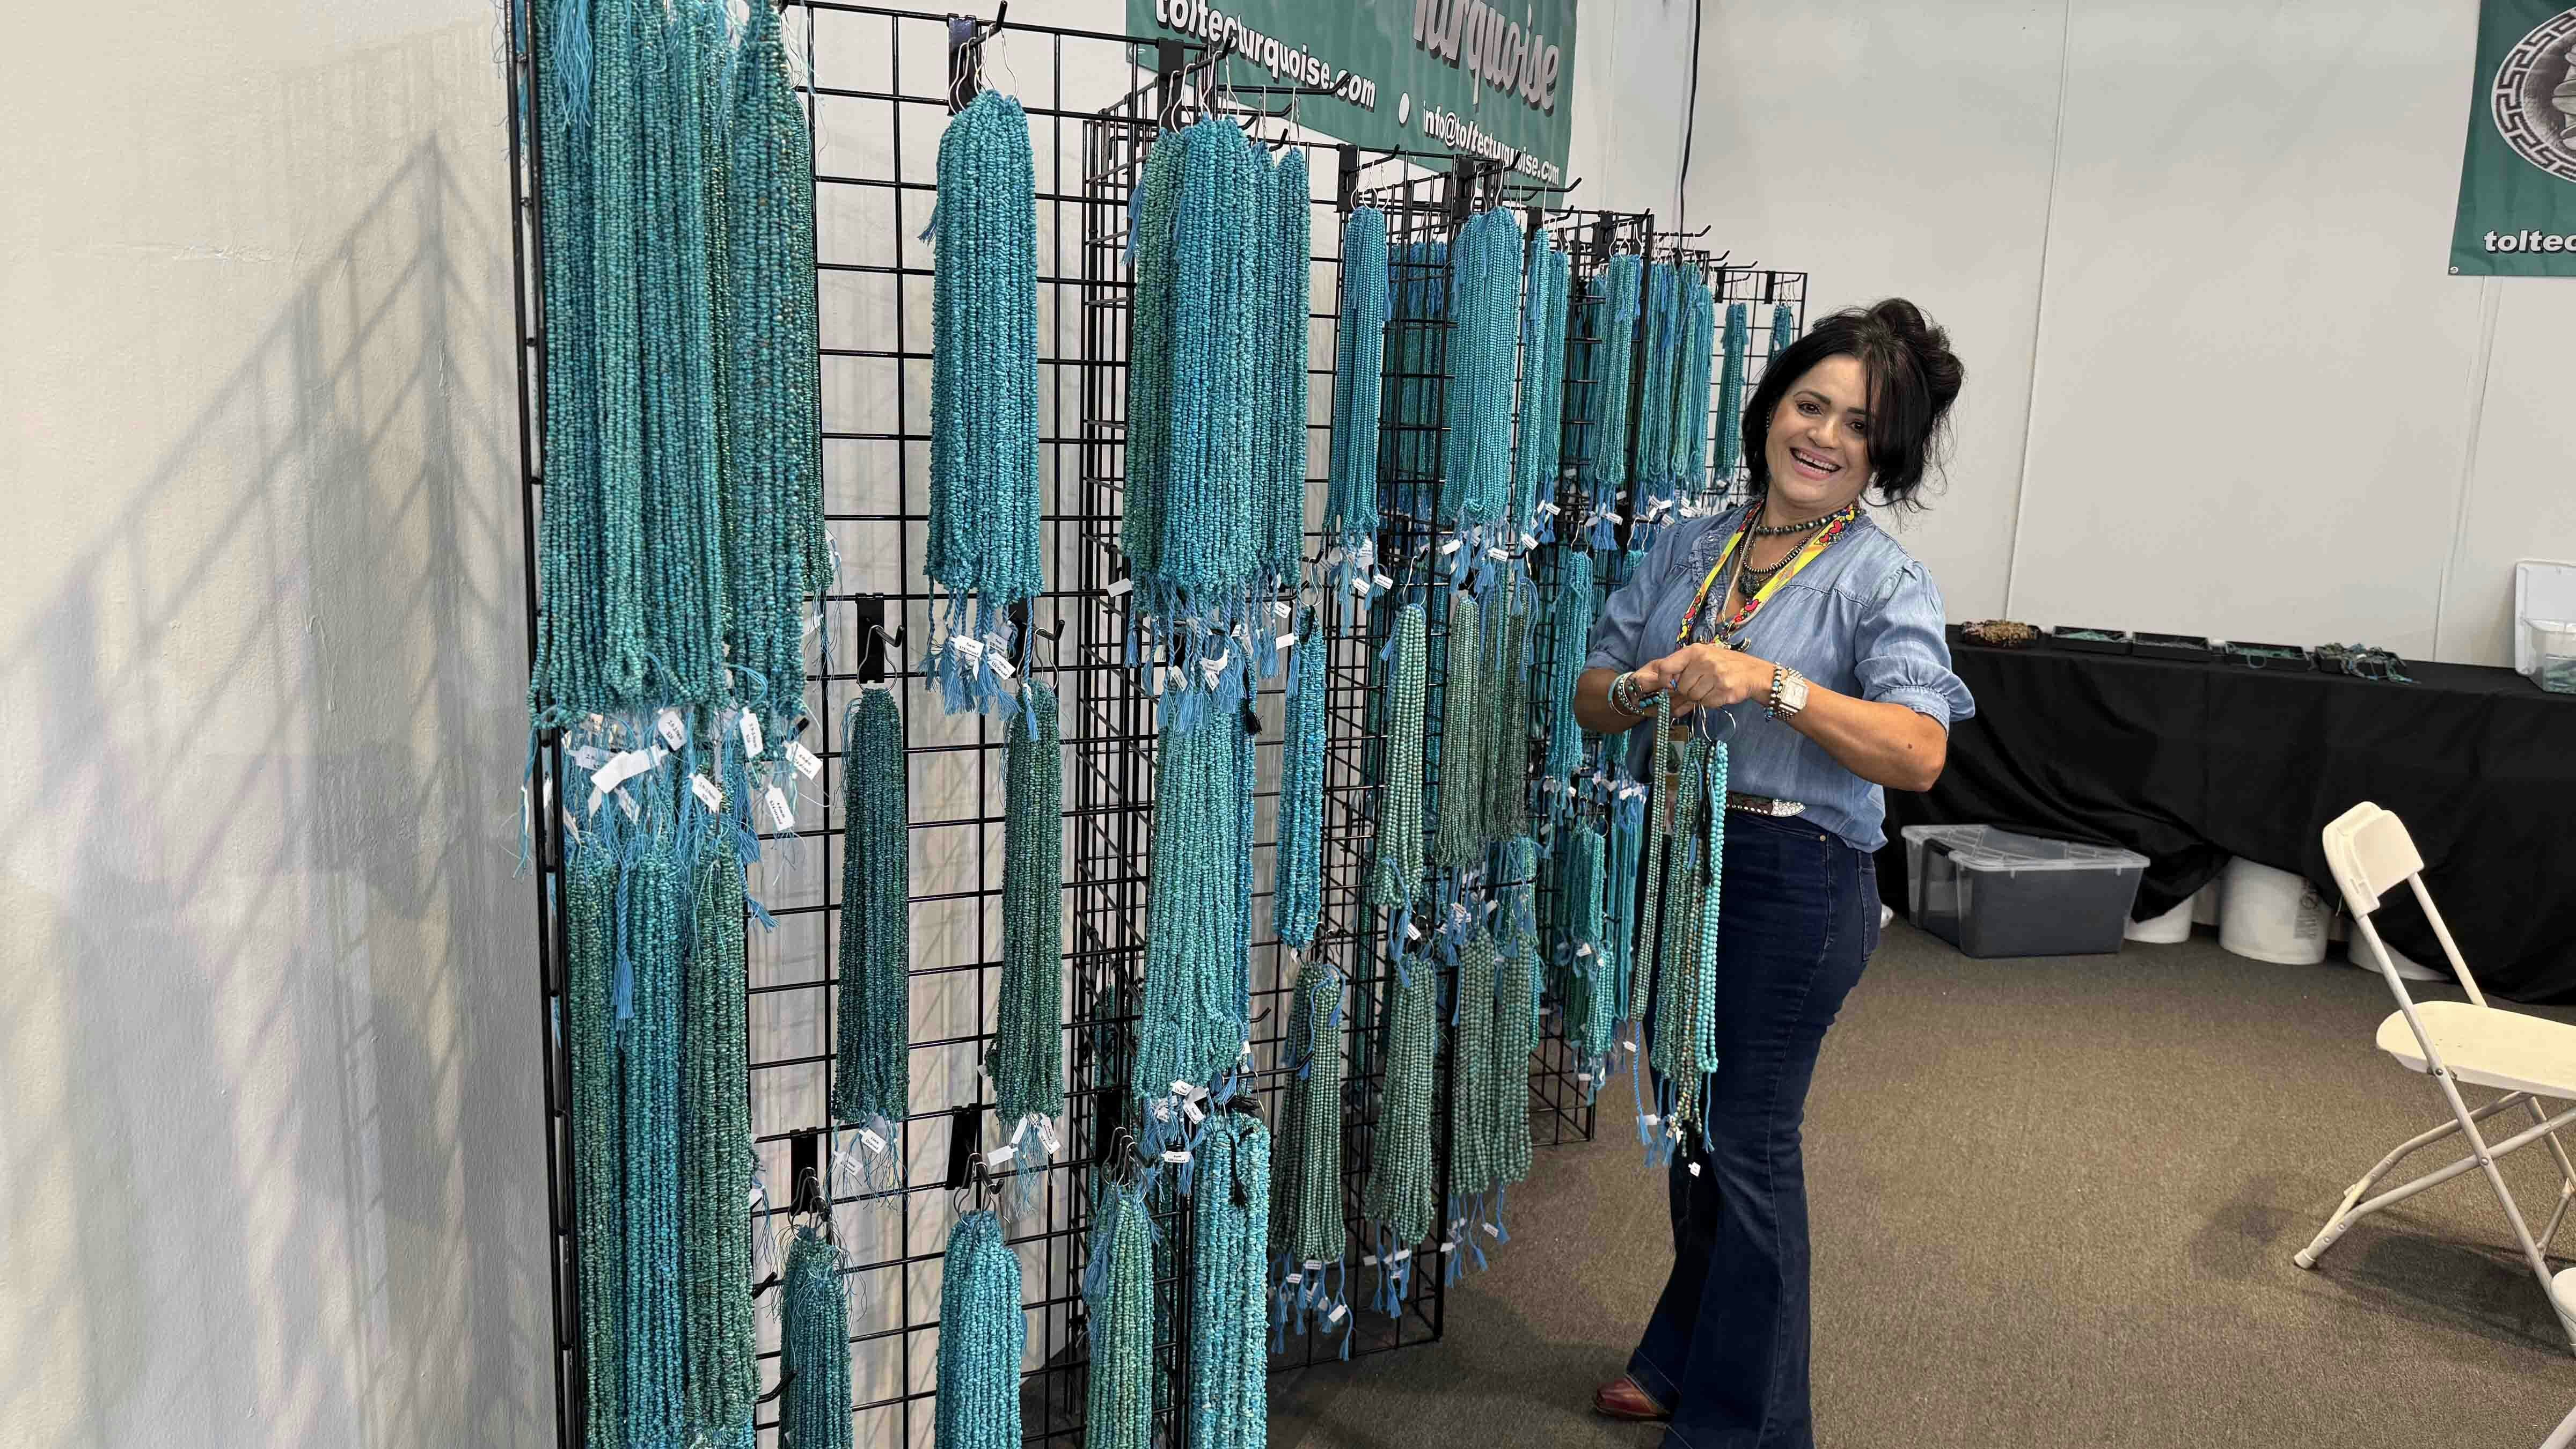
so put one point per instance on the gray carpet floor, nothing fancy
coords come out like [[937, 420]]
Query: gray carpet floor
[[2054, 1203]]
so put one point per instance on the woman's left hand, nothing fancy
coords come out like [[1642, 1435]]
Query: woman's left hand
[[1706, 676]]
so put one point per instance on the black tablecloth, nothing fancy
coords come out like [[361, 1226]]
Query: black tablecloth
[[2190, 763]]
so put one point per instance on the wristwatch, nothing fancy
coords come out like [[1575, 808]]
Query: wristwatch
[[1788, 692], [1623, 696]]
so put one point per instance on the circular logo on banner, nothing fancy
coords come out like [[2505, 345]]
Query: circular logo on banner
[[2534, 97]]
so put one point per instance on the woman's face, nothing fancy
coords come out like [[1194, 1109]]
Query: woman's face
[[1818, 450]]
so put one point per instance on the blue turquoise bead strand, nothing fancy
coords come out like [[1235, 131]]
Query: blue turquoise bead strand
[[653, 936], [1230, 1230], [1459, 838], [566, 682], [617, 205], [1541, 427], [813, 1344], [1149, 383], [1417, 388], [1359, 360], [1395, 872], [1784, 328], [598, 1133], [984, 536], [1569, 641], [1119, 1292], [983, 1334], [1692, 403], [1027, 1064], [1730, 391], [871, 1085], [1297, 905], [1282, 391], [1603, 468], [720, 1351], [1196, 1006]]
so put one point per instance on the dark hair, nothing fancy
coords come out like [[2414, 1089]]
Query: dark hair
[[1913, 379]]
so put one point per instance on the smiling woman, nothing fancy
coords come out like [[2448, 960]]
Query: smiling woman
[[1806, 639]]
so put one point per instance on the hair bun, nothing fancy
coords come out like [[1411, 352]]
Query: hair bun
[[1943, 373]]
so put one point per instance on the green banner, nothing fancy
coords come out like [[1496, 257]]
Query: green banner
[[2518, 180], [1448, 76]]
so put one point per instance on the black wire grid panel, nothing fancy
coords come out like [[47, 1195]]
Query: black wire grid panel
[[880, 83]]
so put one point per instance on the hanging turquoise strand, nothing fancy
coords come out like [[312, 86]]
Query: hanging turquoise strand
[[813, 1345], [590, 1028], [1730, 392], [1395, 874], [1691, 401], [871, 1087], [1484, 317], [1230, 1230], [716, 1159], [1400, 1194], [983, 542], [1281, 515], [1569, 640], [1297, 906], [983, 1334], [653, 932], [1516, 1032], [1359, 357], [1459, 839], [1475, 1167], [1307, 1235], [1612, 308], [1542, 392], [1197, 944], [1507, 714], [1119, 1288], [1027, 1064]]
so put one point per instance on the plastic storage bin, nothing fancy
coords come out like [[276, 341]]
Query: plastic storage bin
[[2550, 647], [1993, 893]]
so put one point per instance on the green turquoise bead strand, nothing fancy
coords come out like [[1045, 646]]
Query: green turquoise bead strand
[[598, 1136], [1663, 324], [1459, 838], [1483, 360], [1308, 1238], [1395, 872], [1692, 405], [983, 1334], [1602, 470], [1475, 1166], [1541, 424], [653, 936], [567, 681], [1027, 1062], [1400, 1194], [813, 1344], [1196, 1007], [1282, 391], [1506, 745], [1118, 1291], [721, 1353], [984, 499], [1516, 1021], [1296, 907], [1570, 614], [871, 1084]]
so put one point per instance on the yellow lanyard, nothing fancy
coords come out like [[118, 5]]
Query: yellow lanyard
[[1815, 546]]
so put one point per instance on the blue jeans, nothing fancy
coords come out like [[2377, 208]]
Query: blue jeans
[[1727, 1347]]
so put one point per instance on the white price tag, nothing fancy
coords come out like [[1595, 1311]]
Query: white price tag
[[869, 1139], [1582, 951], [1314, 1265], [1279, 607], [1491, 1231], [1183, 1089], [1003, 667], [1401, 1254], [1046, 1134], [1000, 1156], [807, 763], [971, 650], [1492, 551], [626, 802], [1384, 582], [1448, 548], [675, 733], [1340, 1312], [1694, 1167], [1118, 589], [1360, 586], [781, 814], [750, 735], [1583, 1077], [1287, 642], [1448, 1248], [707, 793], [1292, 1280], [620, 769], [1191, 1111], [1650, 1119], [1162, 1111], [1176, 1155]]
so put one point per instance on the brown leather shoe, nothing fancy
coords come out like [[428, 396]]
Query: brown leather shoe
[[1621, 1398]]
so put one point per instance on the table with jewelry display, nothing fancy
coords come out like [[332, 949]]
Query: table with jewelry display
[[2191, 762]]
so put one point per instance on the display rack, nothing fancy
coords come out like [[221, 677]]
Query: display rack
[[879, 83]]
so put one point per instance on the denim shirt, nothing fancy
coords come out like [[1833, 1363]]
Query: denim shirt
[[1864, 619]]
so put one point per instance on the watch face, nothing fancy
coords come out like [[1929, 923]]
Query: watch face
[[1793, 695]]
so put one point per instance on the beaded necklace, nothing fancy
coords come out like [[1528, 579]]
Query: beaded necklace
[[1458, 839], [1594, 1015], [1655, 418], [652, 933], [1516, 1024], [1484, 322], [716, 1157], [1281, 392], [1477, 1158], [814, 1345], [1691, 404], [1542, 393], [1569, 640], [1416, 375], [1399, 1195], [1230, 1230], [983, 1333], [1028, 1041], [1297, 906], [1359, 355], [1395, 874], [1197, 945], [1119, 1290], [1307, 1235], [1784, 328], [983, 543], [1505, 745], [1730, 391], [590, 1029], [871, 1087], [1602, 470]]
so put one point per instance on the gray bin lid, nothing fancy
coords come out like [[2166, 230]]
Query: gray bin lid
[[1991, 847]]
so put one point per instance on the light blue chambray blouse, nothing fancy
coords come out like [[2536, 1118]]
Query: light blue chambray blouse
[[1864, 619]]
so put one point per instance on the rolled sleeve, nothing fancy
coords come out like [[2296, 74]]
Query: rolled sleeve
[[1620, 636], [1902, 657]]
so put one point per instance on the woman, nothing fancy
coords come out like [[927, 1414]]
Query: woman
[[1797, 631]]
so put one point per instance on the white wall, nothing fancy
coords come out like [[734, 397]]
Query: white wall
[[271, 1169], [2194, 257]]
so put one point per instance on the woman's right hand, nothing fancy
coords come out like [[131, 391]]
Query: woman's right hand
[[1704, 676]]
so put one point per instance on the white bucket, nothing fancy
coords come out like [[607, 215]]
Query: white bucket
[[2205, 901], [2171, 928], [2272, 915], [2357, 951]]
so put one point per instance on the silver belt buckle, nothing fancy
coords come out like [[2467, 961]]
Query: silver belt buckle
[[1764, 805]]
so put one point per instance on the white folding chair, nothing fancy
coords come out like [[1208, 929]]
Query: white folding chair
[[2525, 1057]]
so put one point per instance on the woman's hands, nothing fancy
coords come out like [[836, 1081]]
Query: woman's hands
[[1705, 676]]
